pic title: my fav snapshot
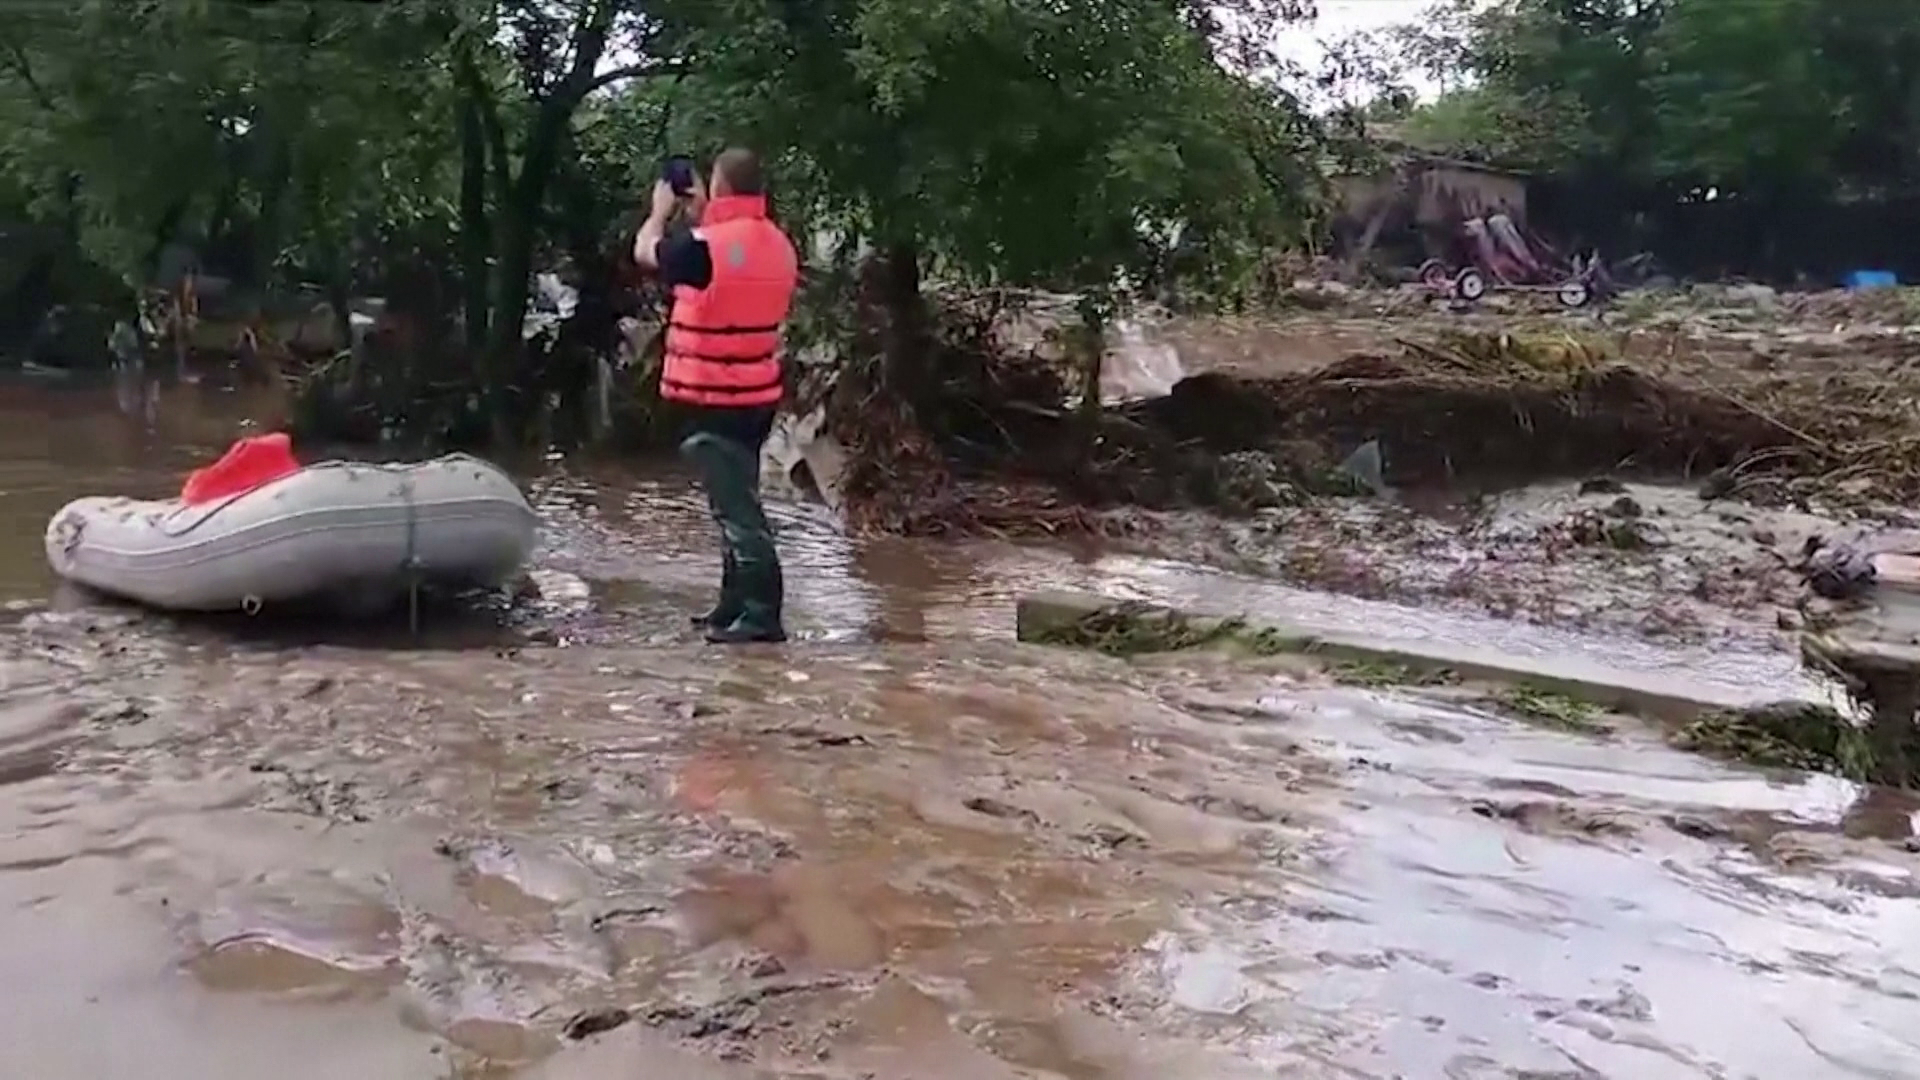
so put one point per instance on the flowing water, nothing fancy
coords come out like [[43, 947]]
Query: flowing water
[[573, 844]]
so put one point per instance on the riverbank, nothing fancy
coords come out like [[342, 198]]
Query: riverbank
[[1665, 466]]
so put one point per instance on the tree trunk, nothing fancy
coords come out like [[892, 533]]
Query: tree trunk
[[905, 341], [476, 239], [340, 299], [272, 221], [1093, 351], [497, 368], [518, 210], [515, 236]]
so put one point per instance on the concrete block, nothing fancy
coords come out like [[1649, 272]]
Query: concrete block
[[1047, 616]]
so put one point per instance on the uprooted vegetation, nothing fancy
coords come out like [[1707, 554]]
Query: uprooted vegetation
[[1126, 630], [996, 442]]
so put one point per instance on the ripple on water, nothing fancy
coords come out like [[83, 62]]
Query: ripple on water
[[309, 933]]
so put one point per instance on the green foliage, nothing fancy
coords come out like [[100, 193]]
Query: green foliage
[[1814, 97], [1539, 129], [140, 123], [1035, 142], [1026, 141], [1739, 100]]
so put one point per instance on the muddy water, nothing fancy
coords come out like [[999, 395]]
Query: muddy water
[[901, 847]]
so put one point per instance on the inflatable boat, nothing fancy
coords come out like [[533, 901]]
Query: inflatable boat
[[259, 529]]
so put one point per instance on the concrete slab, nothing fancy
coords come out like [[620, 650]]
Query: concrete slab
[[1052, 617]]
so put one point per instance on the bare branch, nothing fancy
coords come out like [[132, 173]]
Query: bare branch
[[590, 35], [675, 67]]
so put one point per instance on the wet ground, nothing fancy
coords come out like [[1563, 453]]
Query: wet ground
[[578, 846], [1626, 559], [1666, 562]]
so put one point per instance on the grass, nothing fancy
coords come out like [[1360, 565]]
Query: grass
[[1787, 736], [1136, 630], [1546, 709], [1381, 673]]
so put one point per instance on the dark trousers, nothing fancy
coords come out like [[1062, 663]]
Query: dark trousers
[[724, 444]]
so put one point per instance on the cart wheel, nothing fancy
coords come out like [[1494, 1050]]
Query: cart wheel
[[1433, 274], [1574, 294], [1469, 285]]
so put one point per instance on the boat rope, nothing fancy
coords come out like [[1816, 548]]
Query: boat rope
[[410, 567]]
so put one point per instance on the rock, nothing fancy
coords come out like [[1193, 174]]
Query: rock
[[1602, 485], [1368, 465], [1760, 296], [595, 1021], [1625, 533], [1624, 507], [1250, 481], [1700, 828], [1839, 572], [1718, 485]]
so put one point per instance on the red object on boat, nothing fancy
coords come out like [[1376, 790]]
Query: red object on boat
[[247, 464]]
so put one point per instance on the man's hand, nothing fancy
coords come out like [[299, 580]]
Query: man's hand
[[646, 242], [664, 201]]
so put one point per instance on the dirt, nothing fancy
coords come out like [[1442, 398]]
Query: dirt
[[1601, 554], [1659, 465]]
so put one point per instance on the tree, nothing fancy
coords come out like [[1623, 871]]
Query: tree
[[1065, 143], [141, 122], [1022, 142], [514, 138], [1740, 103], [1769, 97]]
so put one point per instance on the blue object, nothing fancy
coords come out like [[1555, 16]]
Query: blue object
[[1872, 279]]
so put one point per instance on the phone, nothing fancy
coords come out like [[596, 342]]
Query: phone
[[678, 173]]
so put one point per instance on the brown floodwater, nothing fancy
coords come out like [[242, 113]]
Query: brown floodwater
[[902, 846]]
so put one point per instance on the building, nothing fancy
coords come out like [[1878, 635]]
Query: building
[[1419, 195]]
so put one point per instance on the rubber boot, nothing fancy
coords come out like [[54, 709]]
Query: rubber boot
[[731, 473], [728, 607], [759, 619]]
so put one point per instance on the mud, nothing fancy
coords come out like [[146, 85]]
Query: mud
[[1658, 466], [963, 861], [1598, 554], [560, 841]]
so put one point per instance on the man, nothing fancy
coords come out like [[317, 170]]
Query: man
[[733, 278]]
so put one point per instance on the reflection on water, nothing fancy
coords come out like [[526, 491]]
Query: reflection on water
[[902, 847]]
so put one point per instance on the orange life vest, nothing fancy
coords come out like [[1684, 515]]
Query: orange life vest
[[723, 341]]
